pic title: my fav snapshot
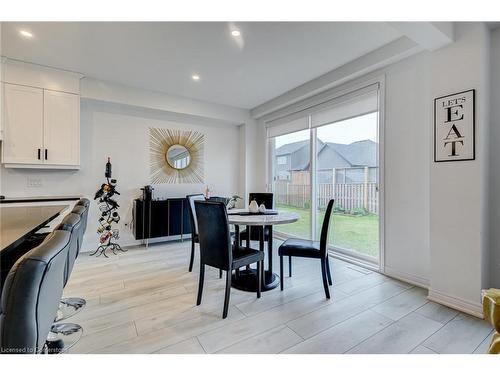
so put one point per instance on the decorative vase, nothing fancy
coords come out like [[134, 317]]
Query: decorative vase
[[253, 207]]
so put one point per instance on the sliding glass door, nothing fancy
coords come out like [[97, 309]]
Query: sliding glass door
[[292, 181], [347, 171], [330, 151]]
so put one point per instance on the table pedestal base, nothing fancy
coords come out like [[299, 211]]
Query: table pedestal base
[[246, 281]]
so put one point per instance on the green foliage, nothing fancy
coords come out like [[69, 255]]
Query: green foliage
[[338, 208], [359, 211], [359, 233]]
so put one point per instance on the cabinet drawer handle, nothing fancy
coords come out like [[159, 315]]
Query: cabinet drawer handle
[[38, 154], [46, 153]]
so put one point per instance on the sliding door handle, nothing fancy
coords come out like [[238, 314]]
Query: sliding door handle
[[46, 154], [39, 150]]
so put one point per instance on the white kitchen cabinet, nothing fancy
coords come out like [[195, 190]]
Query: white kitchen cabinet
[[61, 130], [22, 125], [41, 128]]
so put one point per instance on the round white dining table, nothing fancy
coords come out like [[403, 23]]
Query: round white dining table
[[246, 279]]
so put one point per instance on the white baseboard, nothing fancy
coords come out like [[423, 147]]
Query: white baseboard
[[407, 277], [355, 261], [457, 303]]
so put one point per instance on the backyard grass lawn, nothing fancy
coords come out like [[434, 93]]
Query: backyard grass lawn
[[358, 233]]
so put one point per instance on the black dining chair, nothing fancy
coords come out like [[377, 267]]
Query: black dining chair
[[224, 200], [295, 247], [217, 250], [267, 199], [194, 224]]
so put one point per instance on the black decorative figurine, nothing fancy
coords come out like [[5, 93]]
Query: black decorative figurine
[[109, 215]]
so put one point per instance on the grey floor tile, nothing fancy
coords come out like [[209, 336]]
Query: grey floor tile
[[189, 346], [362, 283], [463, 334], [400, 337], [216, 340], [422, 350], [484, 346], [437, 312], [313, 323], [269, 342], [402, 304], [342, 337]]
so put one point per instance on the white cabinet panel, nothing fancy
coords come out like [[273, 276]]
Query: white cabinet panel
[[22, 124], [61, 128]]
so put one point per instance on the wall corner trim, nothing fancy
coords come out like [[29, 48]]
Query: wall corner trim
[[468, 307]]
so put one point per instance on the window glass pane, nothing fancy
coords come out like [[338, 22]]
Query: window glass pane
[[291, 180], [347, 171]]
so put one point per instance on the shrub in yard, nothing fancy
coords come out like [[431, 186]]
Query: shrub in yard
[[359, 211], [307, 205], [338, 208]]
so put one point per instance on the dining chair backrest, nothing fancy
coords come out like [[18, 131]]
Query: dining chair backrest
[[192, 213], [214, 234], [71, 223], [31, 295], [224, 200], [263, 198], [324, 229]]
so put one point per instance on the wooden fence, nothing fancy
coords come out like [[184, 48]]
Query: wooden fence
[[347, 196]]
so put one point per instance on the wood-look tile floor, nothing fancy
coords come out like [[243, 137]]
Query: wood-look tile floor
[[143, 301]]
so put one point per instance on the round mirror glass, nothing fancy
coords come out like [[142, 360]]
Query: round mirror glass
[[178, 157]]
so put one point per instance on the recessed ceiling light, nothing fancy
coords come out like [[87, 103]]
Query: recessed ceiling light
[[235, 33], [195, 77], [26, 34]]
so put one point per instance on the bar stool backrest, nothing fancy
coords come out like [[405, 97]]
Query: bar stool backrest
[[83, 212], [31, 295], [73, 224]]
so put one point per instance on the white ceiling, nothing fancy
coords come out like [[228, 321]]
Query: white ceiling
[[268, 59]]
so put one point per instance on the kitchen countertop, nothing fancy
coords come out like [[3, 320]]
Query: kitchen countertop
[[18, 222], [53, 198]]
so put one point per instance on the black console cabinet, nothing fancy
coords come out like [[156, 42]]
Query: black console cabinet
[[161, 218]]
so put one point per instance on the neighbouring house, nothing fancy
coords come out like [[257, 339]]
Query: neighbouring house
[[337, 163]]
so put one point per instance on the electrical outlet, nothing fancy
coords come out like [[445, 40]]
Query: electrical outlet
[[34, 182]]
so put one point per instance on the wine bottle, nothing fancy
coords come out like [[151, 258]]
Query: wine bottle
[[107, 174]]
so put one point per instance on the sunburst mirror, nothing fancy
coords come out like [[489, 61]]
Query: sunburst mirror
[[176, 156]]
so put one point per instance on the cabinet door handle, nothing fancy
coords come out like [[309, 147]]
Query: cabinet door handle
[[39, 154], [46, 153]]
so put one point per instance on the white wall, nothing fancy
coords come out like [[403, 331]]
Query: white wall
[[407, 158], [121, 132], [494, 171], [458, 204]]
